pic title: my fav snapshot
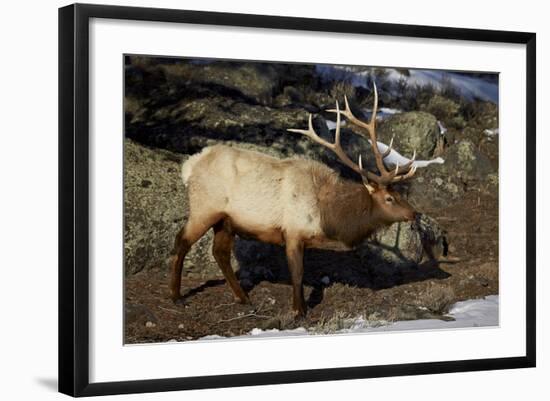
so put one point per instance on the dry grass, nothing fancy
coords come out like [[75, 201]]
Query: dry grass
[[331, 324], [437, 298]]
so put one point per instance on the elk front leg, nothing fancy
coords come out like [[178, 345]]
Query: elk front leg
[[221, 248], [295, 258]]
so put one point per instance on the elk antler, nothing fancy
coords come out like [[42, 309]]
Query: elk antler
[[386, 177], [336, 147]]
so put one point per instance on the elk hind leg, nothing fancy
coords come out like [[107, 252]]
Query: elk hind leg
[[221, 249], [191, 232]]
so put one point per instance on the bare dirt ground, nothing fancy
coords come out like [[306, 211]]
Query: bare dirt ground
[[425, 291]]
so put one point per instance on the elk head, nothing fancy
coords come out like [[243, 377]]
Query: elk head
[[388, 205]]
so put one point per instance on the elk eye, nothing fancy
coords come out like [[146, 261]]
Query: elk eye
[[389, 199]]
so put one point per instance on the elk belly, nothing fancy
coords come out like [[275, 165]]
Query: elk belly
[[270, 235], [322, 242]]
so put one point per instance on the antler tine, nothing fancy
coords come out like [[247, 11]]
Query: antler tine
[[388, 150], [371, 129], [373, 137], [375, 106], [366, 183], [337, 131], [399, 178], [310, 132]]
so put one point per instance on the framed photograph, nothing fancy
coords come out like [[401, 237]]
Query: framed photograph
[[279, 199]]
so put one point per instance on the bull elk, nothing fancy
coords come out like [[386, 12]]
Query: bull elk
[[298, 203]]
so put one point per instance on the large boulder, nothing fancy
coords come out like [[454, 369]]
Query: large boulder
[[413, 130], [155, 209], [216, 99], [233, 119], [182, 105], [440, 185], [404, 245], [466, 162], [253, 82], [398, 250], [445, 109], [398, 244], [433, 188]]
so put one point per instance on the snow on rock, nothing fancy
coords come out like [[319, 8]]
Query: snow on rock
[[395, 158]]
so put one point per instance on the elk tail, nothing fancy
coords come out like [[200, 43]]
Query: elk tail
[[189, 164]]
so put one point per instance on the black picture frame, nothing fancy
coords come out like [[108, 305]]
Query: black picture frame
[[74, 198]]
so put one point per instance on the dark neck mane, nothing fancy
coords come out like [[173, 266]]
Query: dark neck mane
[[345, 208]]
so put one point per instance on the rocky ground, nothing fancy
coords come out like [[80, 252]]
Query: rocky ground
[[174, 109]]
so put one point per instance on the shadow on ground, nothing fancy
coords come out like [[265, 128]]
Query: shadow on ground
[[259, 262]]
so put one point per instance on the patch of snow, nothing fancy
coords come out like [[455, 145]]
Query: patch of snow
[[389, 111], [382, 112], [491, 132], [212, 337], [471, 313], [471, 87], [442, 129], [277, 333], [331, 125]]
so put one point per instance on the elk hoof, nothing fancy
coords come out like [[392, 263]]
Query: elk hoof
[[243, 300], [181, 301], [299, 313]]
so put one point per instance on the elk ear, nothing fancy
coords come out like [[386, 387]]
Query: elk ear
[[369, 186]]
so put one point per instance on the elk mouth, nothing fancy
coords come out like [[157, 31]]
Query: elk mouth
[[416, 224], [413, 217]]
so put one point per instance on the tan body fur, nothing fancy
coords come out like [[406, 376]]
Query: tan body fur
[[264, 197]]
